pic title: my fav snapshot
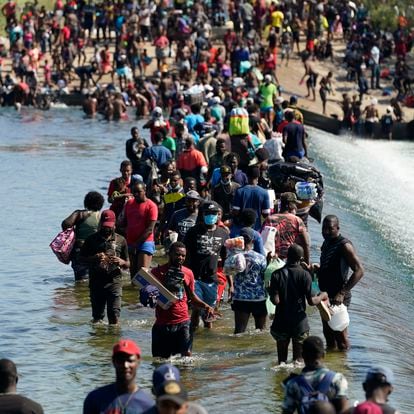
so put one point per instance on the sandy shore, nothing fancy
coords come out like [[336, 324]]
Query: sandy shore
[[290, 76]]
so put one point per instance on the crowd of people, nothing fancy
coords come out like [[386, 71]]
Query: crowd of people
[[108, 48], [202, 184], [317, 390]]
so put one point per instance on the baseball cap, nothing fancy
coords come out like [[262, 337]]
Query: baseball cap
[[380, 375], [247, 233], [289, 197], [193, 195], [164, 373], [293, 99], [173, 391], [268, 78], [126, 346], [225, 169], [108, 218], [210, 208]]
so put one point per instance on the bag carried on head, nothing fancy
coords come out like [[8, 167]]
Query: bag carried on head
[[312, 395], [62, 245], [239, 122]]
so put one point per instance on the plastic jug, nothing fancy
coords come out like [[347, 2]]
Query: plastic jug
[[306, 191]]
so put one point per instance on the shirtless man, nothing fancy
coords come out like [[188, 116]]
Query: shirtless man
[[90, 105], [119, 107], [371, 116], [312, 77]]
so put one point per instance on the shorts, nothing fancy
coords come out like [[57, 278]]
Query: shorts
[[122, 72], [207, 292], [168, 340], [147, 247], [266, 109], [256, 308], [284, 336], [286, 50]]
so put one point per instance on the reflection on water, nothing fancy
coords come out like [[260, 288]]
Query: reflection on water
[[50, 160]]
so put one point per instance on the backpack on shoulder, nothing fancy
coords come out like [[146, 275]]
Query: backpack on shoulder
[[312, 395]]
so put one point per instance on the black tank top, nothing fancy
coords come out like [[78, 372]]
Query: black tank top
[[333, 272]]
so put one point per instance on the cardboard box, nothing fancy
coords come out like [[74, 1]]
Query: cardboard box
[[144, 278]]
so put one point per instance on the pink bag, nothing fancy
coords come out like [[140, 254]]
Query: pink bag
[[62, 245]]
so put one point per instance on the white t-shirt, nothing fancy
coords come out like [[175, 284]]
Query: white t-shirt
[[375, 54]]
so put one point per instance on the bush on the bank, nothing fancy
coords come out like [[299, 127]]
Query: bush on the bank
[[384, 13]]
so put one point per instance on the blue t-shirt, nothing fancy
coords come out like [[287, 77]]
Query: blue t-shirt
[[106, 400], [249, 285], [158, 153], [255, 197], [192, 120], [257, 241]]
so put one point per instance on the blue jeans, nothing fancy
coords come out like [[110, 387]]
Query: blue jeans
[[375, 76]]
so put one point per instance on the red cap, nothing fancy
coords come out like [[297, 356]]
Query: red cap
[[108, 218], [126, 346]]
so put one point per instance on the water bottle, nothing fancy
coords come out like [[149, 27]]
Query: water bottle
[[306, 191]]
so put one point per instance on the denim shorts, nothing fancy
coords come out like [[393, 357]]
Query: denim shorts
[[267, 109], [147, 247], [207, 292]]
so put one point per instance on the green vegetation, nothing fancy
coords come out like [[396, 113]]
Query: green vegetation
[[384, 13]]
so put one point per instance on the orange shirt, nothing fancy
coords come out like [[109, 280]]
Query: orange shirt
[[191, 159]]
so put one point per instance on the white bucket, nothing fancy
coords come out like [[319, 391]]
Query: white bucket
[[340, 317]]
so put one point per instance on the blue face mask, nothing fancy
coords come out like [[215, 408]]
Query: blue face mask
[[210, 219]]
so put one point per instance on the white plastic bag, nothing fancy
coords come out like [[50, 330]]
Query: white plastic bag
[[268, 236], [340, 318], [234, 264]]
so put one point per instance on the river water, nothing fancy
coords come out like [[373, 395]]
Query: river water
[[50, 160]]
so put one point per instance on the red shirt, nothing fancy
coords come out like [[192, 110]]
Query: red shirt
[[66, 33], [282, 125], [138, 217], [190, 160], [178, 311]]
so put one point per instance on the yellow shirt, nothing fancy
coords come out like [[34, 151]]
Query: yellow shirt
[[277, 18]]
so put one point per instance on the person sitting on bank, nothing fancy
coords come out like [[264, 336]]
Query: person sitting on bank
[[10, 401]]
